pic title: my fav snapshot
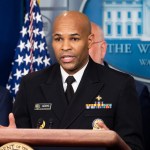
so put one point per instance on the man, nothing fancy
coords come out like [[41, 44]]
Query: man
[[99, 45], [100, 92], [97, 53], [144, 99], [5, 106]]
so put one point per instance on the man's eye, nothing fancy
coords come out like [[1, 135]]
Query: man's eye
[[57, 39], [75, 39]]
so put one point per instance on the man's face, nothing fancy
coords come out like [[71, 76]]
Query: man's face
[[96, 52], [70, 43], [99, 46]]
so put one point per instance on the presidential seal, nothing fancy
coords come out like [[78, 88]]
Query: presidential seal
[[15, 146]]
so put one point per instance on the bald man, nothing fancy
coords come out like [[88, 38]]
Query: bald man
[[100, 93], [97, 53], [99, 46]]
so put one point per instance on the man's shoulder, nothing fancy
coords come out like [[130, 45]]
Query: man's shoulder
[[4, 94], [114, 73], [3, 91], [108, 74], [141, 88], [41, 74]]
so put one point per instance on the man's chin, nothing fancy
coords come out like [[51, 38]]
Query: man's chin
[[70, 69]]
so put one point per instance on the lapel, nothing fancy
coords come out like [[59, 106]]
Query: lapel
[[88, 89], [54, 93]]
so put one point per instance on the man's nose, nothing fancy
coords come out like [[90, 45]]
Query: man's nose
[[66, 45]]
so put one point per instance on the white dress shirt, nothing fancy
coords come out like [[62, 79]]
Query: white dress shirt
[[78, 75]]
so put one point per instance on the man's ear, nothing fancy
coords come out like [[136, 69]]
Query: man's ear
[[90, 40], [103, 49]]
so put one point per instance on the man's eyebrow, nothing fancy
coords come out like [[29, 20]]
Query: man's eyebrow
[[75, 34], [72, 34], [56, 34]]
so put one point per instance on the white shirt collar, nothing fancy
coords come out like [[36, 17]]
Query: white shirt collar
[[78, 75]]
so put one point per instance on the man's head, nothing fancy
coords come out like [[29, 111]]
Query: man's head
[[72, 39], [99, 46]]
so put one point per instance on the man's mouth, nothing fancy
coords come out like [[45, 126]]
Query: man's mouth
[[67, 59]]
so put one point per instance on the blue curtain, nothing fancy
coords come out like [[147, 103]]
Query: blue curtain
[[11, 20]]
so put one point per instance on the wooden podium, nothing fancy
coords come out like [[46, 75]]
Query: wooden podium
[[63, 137]]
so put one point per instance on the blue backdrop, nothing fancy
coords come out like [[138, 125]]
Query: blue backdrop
[[126, 30], [11, 17]]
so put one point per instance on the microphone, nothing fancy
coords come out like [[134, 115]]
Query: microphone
[[50, 123], [40, 123]]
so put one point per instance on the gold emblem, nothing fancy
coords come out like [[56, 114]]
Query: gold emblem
[[42, 125], [98, 97], [37, 106], [95, 124], [15, 146]]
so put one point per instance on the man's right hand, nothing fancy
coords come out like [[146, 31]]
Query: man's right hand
[[12, 123]]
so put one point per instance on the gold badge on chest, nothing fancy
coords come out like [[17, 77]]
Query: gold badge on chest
[[98, 104]]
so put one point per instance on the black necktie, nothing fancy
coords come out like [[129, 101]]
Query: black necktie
[[69, 90]]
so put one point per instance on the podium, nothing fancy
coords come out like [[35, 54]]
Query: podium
[[64, 138]]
